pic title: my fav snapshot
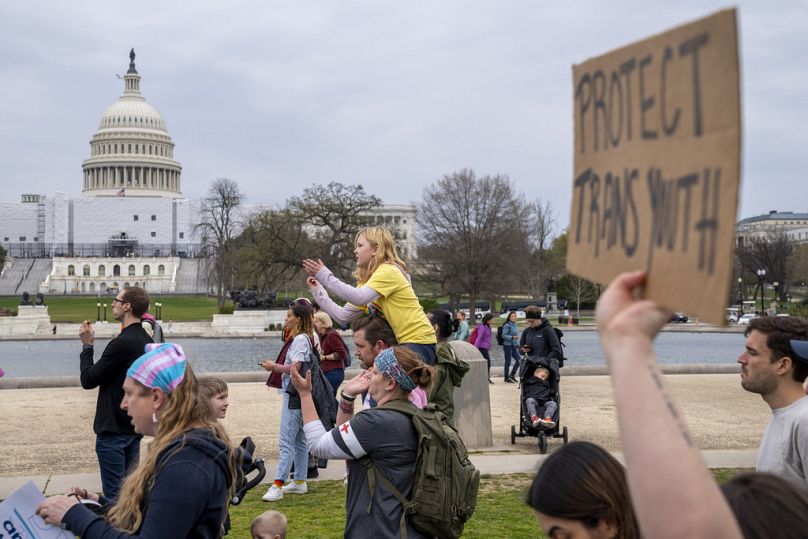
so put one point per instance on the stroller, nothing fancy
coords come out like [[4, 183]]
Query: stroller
[[526, 427], [248, 465]]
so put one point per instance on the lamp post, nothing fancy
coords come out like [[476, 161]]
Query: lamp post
[[98, 312], [159, 313], [761, 275], [776, 297], [740, 292], [105, 312]]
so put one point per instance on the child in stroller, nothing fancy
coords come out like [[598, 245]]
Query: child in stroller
[[540, 401], [538, 392]]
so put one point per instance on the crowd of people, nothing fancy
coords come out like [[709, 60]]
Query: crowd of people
[[408, 368]]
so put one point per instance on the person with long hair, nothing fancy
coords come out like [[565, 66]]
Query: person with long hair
[[450, 370], [386, 436], [291, 439], [333, 351], [383, 288], [510, 347], [581, 491], [182, 486], [483, 341]]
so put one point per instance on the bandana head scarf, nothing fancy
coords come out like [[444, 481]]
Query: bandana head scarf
[[388, 365], [162, 366]]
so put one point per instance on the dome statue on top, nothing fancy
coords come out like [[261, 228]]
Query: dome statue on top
[[131, 153]]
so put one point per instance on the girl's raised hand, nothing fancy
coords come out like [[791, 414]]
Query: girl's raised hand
[[311, 282], [312, 266]]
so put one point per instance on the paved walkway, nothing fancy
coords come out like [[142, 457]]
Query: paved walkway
[[47, 433], [491, 463]]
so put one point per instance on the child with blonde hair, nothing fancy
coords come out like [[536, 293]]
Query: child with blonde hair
[[383, 288], [269, 525]]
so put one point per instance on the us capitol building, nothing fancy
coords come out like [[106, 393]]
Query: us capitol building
[[130, 225]]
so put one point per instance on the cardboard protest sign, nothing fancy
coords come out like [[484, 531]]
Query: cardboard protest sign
[[18, 516], [657, 164]]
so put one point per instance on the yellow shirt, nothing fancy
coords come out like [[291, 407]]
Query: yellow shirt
[[399, 305]]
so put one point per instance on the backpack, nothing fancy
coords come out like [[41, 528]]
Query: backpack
[[154, 329], [560, 334], [445, 482], [500, 338], [473, 336]]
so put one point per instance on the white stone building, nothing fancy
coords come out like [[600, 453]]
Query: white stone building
[[130, 215], [794, 225]]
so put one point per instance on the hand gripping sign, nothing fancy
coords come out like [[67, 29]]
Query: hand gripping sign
[[18, 518], [657, 164]]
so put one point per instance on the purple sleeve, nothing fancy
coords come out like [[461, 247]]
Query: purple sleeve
[[339, 314], [357, 296]]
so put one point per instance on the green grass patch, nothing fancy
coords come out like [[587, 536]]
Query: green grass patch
[[501, 509], [321, 512], [76, 309]]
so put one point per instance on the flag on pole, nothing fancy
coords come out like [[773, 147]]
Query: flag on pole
[[122, 192]]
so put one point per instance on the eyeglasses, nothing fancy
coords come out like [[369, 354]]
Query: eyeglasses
[[116, 300]]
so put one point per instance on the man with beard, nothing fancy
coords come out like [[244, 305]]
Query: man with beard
[[775, 365]]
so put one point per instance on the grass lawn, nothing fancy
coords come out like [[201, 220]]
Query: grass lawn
[[79, 308], [501, 509]]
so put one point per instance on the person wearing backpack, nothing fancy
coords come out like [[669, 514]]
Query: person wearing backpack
[[508, 337], [540, 339], [291, 439], [385, 435]]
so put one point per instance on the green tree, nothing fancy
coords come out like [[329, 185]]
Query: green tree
[[336, 212], [270, 249]]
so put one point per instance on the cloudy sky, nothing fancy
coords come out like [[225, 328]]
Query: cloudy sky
[[392, 95]]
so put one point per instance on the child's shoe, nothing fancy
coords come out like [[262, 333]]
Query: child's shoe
[[547, 422], [536, 421]]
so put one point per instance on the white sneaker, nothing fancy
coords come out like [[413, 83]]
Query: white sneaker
[[295, 488], [273, 494]]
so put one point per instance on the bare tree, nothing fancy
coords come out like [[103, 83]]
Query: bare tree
[[219, 224], [270, 249], [772, 252], [579, 290], [542, 226], [337, 212], [473, 228]]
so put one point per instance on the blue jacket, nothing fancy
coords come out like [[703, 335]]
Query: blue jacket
[[510, 334], [187, 499]]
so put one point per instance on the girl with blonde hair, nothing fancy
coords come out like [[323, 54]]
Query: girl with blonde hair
[[182, 486], [383, 288]]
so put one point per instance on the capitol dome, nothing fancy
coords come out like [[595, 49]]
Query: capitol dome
[[131, 153]]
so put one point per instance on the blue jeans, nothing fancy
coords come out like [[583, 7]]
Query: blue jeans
[[511, 352], [292, 444], [487, 356], [426, 352], [117, 454], [335, 377]]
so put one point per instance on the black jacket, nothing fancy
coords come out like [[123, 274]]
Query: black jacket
[[108, 374], [538, 389], [188, 497], [542, 342]]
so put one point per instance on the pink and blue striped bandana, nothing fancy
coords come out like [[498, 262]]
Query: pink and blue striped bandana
[[162, 366]]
